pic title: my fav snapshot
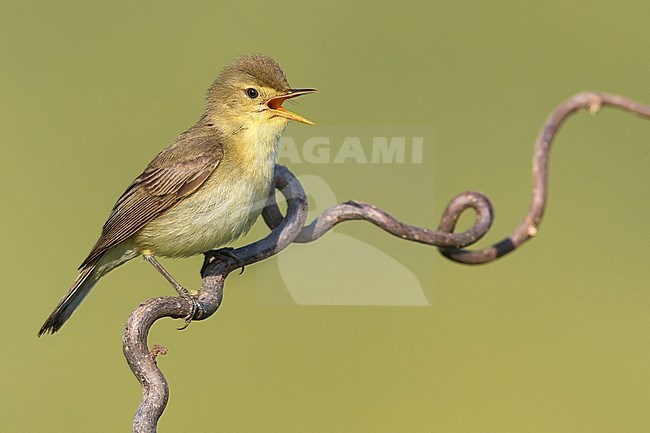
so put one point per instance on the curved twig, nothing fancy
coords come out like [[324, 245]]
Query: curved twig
[[593, 101], [450, 243], [290, 228]]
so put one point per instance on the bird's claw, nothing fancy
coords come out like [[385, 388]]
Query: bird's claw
[[225, 254], [195, 307]]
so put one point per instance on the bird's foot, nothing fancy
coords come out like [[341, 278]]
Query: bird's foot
[[195, 307], [225, 254]]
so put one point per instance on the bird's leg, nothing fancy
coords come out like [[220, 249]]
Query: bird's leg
[[224, 254], [182, 291]]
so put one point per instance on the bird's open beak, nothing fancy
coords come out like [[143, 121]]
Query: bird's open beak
[[275, 105]]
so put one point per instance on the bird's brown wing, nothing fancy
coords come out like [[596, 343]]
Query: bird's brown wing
[[173, 174]]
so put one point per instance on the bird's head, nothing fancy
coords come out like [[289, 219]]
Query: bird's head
[[248, 94]]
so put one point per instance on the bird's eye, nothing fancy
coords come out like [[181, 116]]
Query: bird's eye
[[252, 93]]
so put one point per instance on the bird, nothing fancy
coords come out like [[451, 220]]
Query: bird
[[205, 189]]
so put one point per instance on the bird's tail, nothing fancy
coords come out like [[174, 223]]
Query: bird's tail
[[80, 288]]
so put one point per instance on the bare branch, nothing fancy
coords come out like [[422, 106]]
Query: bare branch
[[286, 230], [450, 243], [527, 229]]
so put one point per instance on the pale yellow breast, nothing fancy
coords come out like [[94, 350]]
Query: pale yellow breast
[[222, 209]]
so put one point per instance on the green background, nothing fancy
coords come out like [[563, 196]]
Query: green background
[[553, 338]]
